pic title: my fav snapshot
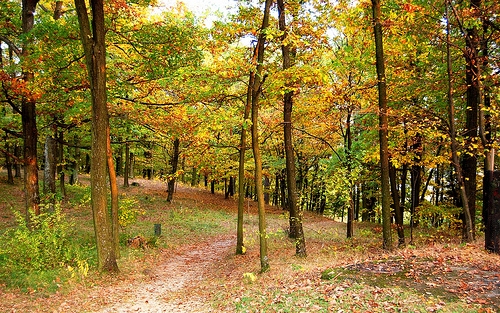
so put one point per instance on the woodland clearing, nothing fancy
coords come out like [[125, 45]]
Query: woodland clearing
[[192, 266]]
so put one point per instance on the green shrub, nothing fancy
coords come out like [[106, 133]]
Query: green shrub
[[48, 244], [128, 212]]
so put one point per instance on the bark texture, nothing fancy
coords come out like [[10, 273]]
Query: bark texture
[[383, 126], [174, 162], [241, 168], [28, 117], [256, 92], [95, 55], [296, 230]]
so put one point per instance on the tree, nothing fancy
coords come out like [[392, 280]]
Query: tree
[[28, 116], [94, 46], [174, 160], [241, 165], [469, 159], [454, 145], [383, 125], [256, 93], [296, 230], [486, 130]]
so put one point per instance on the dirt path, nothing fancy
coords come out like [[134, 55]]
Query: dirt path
[[168, 287]]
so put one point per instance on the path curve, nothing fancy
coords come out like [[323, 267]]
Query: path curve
[[171, 277]]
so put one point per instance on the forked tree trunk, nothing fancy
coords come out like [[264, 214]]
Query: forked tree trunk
[[93, 42]]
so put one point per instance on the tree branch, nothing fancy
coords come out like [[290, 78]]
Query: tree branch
[[322, 140], [150, 103], [13, 133], [11, 45], [10, 100]]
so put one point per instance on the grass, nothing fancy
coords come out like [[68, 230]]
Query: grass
[[436, 274], [180, 225]]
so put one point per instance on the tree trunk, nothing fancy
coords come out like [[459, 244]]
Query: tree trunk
[[113, 186], [491, 211], [75, 163], [119, 159], [241, 167], [8, 163], [230, 190], [126, 172], [415, 179], [194, 176], [472, 78], [358, 200], [28, 117], [49, 172], [94, 46], [87, 163], [267, 185], [383, 127], [256, 92], [283, 188], [295, 219], [349, 160], [17, 165], [174, 162], [454, 145], [60, 165], [58, 11], [396, 203], [132, 165], [404, 176]]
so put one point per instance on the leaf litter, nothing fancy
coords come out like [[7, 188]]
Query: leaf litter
[[207, 277]]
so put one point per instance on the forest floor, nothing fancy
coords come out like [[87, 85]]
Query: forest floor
[[203, 274]]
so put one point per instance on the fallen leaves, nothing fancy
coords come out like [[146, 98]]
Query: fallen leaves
[[363, 278]]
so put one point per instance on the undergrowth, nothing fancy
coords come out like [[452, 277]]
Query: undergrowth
[[43, 253]]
